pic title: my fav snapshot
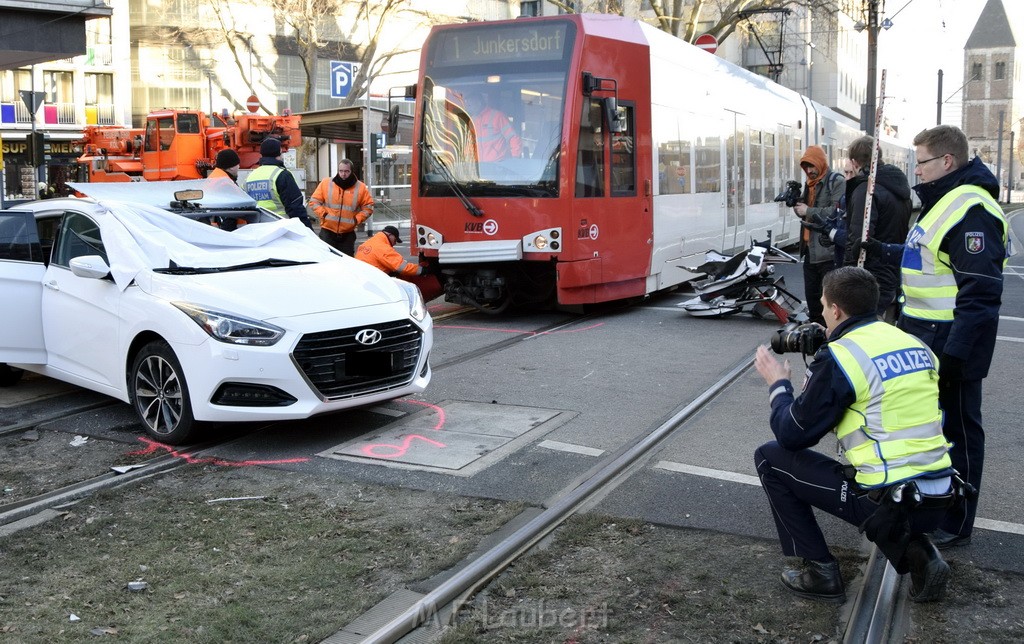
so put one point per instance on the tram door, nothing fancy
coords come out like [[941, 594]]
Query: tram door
[[736, 184]]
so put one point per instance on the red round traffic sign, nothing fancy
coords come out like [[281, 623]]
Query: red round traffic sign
[[253, 103], [707, 42]]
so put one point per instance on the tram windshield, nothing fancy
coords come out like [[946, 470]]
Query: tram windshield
[[493, 99]]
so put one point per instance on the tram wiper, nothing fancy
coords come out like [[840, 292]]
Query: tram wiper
[[449, 178]]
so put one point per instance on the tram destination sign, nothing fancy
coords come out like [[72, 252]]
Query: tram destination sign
[[516, 43]]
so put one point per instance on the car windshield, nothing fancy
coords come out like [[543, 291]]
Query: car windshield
[[139, 237], [492, 111]]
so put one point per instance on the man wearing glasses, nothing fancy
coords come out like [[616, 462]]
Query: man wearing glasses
[[952, 279]]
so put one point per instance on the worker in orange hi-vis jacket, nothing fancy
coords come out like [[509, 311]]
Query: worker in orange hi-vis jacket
[[496, 139], [341, 203], [379, 251]]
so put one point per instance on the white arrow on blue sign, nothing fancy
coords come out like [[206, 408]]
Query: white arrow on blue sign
[[342, 75]]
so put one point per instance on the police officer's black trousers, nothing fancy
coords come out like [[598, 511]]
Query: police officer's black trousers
[[798, 481], [961, 424]]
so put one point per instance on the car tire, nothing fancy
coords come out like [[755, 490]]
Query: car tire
[[9, 376], [159, 394]]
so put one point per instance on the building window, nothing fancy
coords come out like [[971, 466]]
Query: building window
[[99, 99], [976, 73], [1000, 71], [531, 8]]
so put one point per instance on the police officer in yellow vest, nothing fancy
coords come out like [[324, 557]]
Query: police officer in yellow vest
[[273, 186], [952, 280], [876, 388]]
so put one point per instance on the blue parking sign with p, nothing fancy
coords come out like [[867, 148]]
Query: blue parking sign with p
[[342, 75]]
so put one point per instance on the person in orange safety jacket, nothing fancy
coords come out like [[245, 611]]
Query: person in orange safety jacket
[[379, 251], [496, 139], [341, 203]]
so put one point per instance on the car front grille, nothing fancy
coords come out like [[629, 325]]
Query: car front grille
[[338, 366]]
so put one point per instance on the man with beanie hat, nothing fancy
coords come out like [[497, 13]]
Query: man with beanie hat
[[226, 165], [273, 187], [341, 203]]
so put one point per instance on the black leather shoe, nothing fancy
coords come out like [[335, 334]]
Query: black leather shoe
[[928, 572], [944, 540], [816, 580]]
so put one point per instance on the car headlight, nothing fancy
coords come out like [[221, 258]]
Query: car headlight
[[417, 309], [233, 329]]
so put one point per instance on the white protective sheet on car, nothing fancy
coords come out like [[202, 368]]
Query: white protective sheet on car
[[140, 235]]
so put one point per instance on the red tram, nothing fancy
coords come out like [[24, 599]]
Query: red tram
[[584, 158]]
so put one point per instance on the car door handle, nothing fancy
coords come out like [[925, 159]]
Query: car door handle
[[52, 284]]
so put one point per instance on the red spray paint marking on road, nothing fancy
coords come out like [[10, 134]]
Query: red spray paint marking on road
[[154, 447], [400, 450]]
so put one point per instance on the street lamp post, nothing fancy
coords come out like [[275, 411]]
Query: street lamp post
[[872, 99]]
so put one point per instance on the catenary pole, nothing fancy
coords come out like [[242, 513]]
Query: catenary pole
[[871, 174]]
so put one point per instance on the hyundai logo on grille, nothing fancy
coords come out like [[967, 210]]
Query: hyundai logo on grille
[[368, 336]]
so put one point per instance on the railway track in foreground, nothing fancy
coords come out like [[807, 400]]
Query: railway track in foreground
[[877, 613]]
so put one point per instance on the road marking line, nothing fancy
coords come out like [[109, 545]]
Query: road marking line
[[1011, 318], [999, 526], [1008, 339], [709, 473], [987, 524], [569, 447]]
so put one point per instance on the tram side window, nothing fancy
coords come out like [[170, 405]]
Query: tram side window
[[673, 145], [590, 168], [756, 165], [708, 157], [624, 157]]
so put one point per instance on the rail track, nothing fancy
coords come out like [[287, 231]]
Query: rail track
[[874, 616], [877, 613]]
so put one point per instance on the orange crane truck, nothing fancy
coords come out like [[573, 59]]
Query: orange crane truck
[[179, 144]]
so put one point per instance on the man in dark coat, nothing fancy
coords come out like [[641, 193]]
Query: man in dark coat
[[890, 217]]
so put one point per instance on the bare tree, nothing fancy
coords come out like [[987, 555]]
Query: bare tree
[[685, 18]]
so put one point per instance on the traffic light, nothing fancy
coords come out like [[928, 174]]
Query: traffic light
[[36, 149], [377, 143]]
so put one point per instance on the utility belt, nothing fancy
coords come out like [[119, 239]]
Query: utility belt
[[906, 493]]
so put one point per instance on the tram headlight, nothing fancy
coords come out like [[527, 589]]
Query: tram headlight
[[543, 241]]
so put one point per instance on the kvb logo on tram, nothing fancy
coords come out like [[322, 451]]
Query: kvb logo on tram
[[489, 227]]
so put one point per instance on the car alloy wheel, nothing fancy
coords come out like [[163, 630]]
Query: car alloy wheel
[[160, 395]]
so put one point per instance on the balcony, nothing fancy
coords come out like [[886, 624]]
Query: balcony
[[100, 114], [15, 113], [59, 114]]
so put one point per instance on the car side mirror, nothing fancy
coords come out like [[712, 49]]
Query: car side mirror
[[90, 266]]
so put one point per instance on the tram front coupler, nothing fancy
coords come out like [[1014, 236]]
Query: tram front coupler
[[483, 289]]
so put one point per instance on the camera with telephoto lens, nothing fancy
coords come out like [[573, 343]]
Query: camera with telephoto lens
[[791, 194], [798, 338]]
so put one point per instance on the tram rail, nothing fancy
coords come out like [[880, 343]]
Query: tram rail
[[873, 618]]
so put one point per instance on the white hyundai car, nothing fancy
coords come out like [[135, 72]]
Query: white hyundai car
[[191, 304]]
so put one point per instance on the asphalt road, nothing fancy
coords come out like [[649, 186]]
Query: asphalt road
[[552, 405]]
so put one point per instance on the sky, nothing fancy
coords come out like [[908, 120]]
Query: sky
[[926, 35]]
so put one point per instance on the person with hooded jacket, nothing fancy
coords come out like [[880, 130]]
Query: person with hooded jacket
[[890, 216], [818, 202], [952, 278]]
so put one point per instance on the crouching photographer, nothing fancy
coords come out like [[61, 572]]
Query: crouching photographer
[[876, 388]]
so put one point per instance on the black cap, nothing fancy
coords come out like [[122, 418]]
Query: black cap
[[270, 147], [391, 230], [227, 158]]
